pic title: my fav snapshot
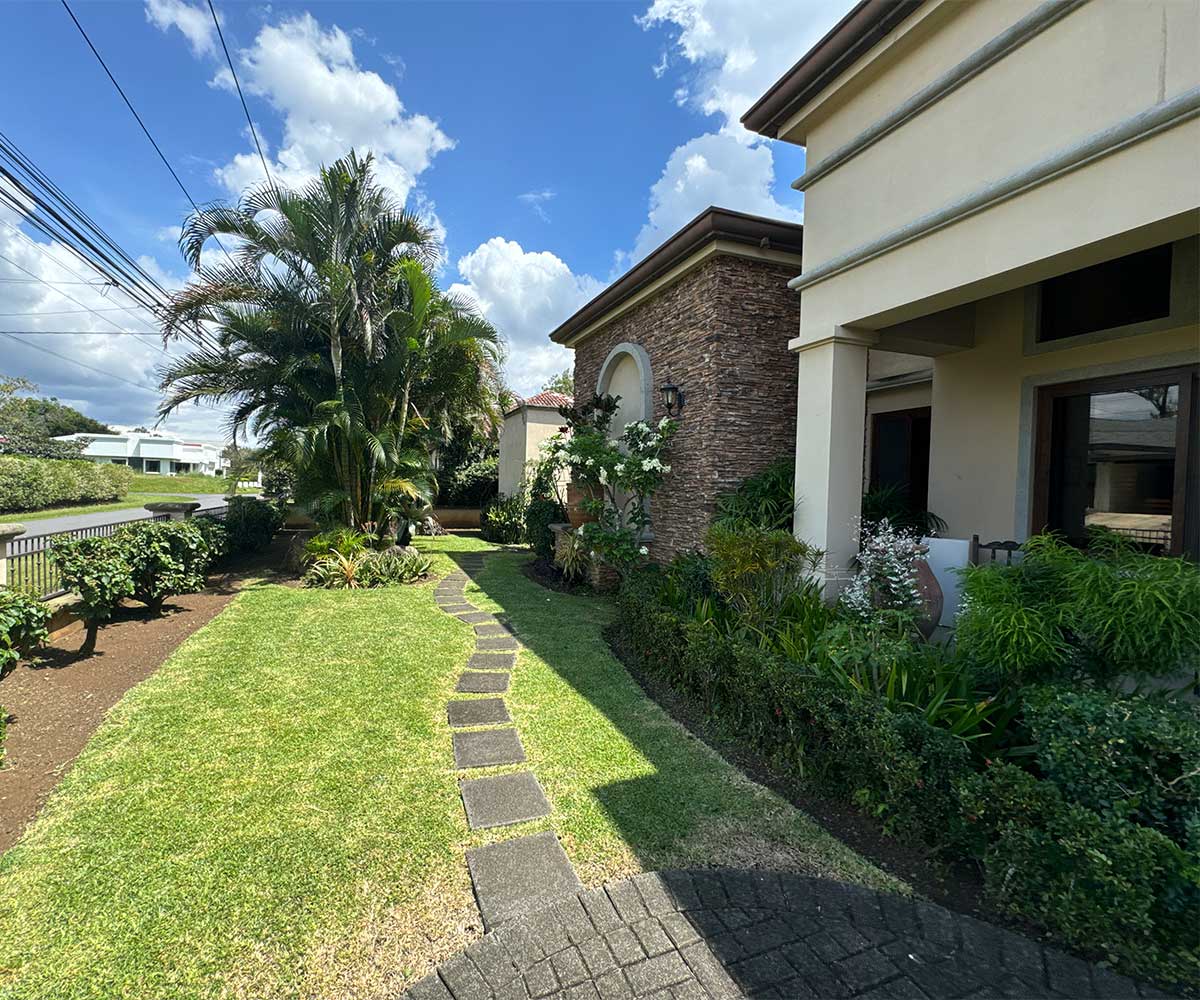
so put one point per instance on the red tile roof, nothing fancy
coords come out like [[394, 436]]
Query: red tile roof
[[554, 399]]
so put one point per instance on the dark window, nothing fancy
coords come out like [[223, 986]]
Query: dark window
[[152, 465], [1119, 292], [900, 453], [1116, 453]]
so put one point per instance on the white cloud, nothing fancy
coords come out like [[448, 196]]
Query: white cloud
[[537, 201], [168, 234], [194, 22], [738, 49], [713, 169], [60, 302], [525, 295], [309, 75]]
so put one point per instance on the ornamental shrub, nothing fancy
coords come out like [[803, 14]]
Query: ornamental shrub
[[365, 568], [1098, 883], [164, 558], [23, 620], [97, 570], [887, 573], [766, 500], [35, 483], [251, 524], [1127, 757], [502, 520], [216, 537], [1110, 612]]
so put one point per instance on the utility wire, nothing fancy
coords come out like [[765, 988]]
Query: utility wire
[[138, 118], [72, 333], [76, 361], [233, 72]]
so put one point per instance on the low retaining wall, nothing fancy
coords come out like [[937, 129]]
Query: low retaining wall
[[457, 517]]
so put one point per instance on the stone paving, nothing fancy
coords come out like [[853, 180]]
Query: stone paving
[[677, 935], [520, 874], [758, 934]]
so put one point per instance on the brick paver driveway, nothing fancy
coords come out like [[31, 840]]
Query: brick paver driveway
[[756, 934]]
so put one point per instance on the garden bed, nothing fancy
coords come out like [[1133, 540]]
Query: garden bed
[[544, 573], [56, 701], [957, 887]]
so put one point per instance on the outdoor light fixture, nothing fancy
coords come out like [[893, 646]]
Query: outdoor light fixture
[[672, 397]]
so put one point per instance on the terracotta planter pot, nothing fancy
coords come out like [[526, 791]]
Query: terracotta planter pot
[[576, 494], [932, 598]]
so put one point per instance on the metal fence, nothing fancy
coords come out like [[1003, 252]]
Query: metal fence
[[1147, 536], [30, 570]]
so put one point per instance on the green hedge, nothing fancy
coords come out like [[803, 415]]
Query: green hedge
[[1060, 851], [37, 483]]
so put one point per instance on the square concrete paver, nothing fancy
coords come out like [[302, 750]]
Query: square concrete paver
[[457, 608], [488, 748], [476, 617], [496, 644], [487, 682], [492, 629], [477, 712], [491, 661], [510, 798], [520, 876]]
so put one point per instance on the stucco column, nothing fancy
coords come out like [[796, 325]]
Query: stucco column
[[830, 424], [7, 533], [179, 510]]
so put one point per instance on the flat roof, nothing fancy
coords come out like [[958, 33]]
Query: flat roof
[[709, 226], [867, 22]]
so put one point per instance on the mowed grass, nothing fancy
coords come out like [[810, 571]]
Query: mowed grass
[[184, 482], [134, 500], [275, 812]]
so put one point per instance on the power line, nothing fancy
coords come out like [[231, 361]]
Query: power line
[[76, 361], [233, 72], [58, 291], [75, 333], [60, 312], [138, 118]]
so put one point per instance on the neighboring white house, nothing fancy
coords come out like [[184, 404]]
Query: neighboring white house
[[155, 453], [525, 427]]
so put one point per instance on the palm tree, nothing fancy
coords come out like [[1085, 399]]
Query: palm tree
[[331, 337]]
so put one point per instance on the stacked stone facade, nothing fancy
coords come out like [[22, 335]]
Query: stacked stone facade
[[720, 333]]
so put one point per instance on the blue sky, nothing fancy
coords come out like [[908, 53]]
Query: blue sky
[[554, 144]]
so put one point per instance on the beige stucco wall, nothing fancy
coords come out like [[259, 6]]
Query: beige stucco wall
[[1102, 63], [981, 442], [521, 437]]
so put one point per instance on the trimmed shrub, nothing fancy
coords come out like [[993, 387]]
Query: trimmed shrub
[[36, 483], [471, 485], [96, 569], [503, 520], [336, 570], [1097, 883], [216, 537], [1126, 757], [164, 558], [251, 524], [23, 620]]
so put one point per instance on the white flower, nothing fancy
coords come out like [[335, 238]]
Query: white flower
[[644, 551], [603, 476], [590, 461], [666, 468], [620, 468]]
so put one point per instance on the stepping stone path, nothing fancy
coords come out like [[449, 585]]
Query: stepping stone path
[[520, 874], [750, 934], [697, 933]]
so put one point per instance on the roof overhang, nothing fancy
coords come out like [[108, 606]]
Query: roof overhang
[[713, 231], [867, 22]]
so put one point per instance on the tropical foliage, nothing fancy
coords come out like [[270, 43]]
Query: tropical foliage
[[328, 337]]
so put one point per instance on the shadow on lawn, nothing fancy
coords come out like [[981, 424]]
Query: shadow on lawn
[[760, 931]]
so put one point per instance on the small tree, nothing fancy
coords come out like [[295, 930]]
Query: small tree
[[164, 558], [95, 569]]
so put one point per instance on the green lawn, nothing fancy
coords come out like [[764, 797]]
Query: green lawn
[[275, 812], [134, 500], [188, 482]]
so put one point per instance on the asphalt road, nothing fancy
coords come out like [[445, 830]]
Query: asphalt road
[[70, 522]]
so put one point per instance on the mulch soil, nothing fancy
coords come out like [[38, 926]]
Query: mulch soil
[[545, 573], [58, 699]]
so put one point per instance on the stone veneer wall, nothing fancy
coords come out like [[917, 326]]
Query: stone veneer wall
[[720, 333]]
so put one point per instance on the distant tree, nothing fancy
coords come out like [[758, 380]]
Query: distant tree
[[563, 382], [36, 417]]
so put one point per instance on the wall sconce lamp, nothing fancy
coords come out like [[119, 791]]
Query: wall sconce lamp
[[672, 397]]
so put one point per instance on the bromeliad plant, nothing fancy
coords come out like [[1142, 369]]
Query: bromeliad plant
[[622, 473]]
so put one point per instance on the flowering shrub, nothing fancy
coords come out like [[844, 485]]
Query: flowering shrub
[[624, 471], [887, 573]]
